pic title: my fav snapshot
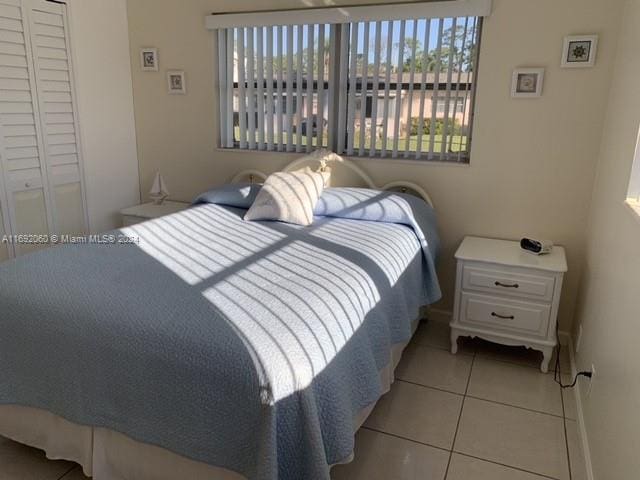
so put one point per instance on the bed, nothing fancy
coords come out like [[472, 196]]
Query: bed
[[215, 348]]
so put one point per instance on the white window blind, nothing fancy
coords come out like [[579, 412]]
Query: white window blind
[[273, 87], [397, 88], [413, 95]]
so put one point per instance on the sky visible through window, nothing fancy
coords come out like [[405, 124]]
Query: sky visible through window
[[394, 87], [410, 33]]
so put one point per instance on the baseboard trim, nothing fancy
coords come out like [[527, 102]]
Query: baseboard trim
[[565, 339], [582, 428]]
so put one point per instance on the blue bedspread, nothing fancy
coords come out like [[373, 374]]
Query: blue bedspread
[[246, 345]]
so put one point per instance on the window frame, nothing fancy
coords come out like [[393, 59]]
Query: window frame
[[633, 191], [338, 129]]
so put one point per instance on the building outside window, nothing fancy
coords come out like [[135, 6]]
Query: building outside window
[[362, 88]]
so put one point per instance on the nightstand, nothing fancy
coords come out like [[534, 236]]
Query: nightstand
[[147, 211], [508, 296]]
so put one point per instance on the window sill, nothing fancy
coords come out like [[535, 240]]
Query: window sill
[[389, 159], [634, 208]]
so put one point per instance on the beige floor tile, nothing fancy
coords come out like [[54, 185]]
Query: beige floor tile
[[512, 436], [578, 470], [437, 334], [19, 462], [569, 399], [435, 368], [418, 413], [515, 385], [467, 468], [383, 457]]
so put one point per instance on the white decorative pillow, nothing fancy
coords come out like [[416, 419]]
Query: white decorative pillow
[[289, 197]]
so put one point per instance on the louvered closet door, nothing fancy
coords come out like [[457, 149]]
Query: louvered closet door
[[5, 248], [53, 72], [24, 170]]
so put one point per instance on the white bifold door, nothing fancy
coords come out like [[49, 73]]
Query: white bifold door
[[41, 186]]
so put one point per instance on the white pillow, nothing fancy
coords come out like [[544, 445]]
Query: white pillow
[[289, 197]]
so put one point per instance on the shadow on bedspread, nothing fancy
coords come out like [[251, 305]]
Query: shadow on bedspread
[[249, 346]]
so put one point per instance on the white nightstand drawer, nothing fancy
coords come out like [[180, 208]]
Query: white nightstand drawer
[[506, 295], [507, 315], [502, 282]]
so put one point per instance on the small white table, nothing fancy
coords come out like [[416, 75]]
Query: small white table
[[508, 296], [147, 211]]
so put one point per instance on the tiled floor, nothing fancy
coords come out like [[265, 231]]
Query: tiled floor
[[484, 414]]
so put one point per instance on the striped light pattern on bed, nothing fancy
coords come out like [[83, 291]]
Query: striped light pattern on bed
[[253, 271]]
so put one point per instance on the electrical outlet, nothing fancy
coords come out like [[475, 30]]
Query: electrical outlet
[[591, 380], [579, 339]]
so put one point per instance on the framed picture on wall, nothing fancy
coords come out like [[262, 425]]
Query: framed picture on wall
[[149, 59], [176, 82], [527, 82], [579, 51]]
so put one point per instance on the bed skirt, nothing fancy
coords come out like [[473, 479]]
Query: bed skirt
[[108, 455]]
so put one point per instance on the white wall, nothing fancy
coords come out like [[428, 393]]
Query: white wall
[[609, 305], [532, 163], [100, 42]]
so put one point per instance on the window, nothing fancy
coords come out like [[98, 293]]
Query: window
[[456, 105], [384, 88], [633, 195], [283, 69]]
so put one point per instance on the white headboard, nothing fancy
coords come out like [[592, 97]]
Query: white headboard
[[344, 173]]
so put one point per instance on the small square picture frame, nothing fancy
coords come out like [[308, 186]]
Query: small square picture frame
[[149, 59], [579, 51], [527, 82], [176, 82]]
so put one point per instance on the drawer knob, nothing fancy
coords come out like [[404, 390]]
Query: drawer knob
[[510, 317], [507, 285]]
